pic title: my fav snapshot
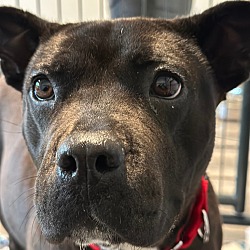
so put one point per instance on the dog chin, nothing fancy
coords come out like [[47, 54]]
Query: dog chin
[[100, 243], [105, 240], [106, 245]]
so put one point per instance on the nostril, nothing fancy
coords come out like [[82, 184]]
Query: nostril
[[106, 163], [67, 163]]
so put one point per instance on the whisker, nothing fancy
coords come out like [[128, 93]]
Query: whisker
[[44, 241], [21, 196], [24, 179], [34, 233], [26, 216], [12, 123], [12, 132], [40, 238], [162, 211], [32, 227], [29, 197]]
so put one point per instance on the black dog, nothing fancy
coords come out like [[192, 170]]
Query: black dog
[[119, 120]]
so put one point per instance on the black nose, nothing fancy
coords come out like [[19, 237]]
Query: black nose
[[96, 153]]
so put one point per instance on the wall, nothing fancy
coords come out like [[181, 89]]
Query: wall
[[80, 10]]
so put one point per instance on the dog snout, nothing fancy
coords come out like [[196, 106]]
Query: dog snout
[[96, 154], [106, 156]]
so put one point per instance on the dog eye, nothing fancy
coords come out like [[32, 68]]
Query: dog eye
[[166, 86], [42, 88]]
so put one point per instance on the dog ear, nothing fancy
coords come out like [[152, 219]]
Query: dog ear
[[223, 34], [20, 34]]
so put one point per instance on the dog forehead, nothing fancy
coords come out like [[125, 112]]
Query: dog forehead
[[103, 42]]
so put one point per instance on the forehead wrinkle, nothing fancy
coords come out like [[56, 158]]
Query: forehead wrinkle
[[92, 39], [175, 52], [89, 47], [50, 49], [94, 47]]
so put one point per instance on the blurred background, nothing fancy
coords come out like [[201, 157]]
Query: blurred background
[[228, 167], [81, 10]]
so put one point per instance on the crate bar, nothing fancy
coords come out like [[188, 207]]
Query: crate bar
[[227, 200], [17, 2], [38, 7], [59, 10], [236, 220], [80, 16], [242, 164]]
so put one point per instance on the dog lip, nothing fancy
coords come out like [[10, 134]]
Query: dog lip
[[55, 238], [55, 241]]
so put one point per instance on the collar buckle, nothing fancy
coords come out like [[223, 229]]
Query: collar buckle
[[178, 245], [206, 228]]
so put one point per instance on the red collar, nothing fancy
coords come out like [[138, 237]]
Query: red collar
[[198, 218]]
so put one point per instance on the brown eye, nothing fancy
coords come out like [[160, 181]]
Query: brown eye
[[43, 89], [166, 86]]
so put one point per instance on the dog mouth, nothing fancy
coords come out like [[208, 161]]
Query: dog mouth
[[100, 235], [105, 245], [94, 227], [87, 231], [91, 216]]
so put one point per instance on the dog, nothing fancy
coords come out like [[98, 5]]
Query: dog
[[107, 128]]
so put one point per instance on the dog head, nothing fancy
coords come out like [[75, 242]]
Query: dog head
[[119, 116]]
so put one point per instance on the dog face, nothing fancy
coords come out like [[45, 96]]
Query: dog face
[[120, 130], [119, 116]]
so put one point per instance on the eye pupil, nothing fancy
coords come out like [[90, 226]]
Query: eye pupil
[[43, 89], [165, 86]]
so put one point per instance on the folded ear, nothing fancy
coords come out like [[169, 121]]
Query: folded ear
[[20, 34], [223, 34]]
